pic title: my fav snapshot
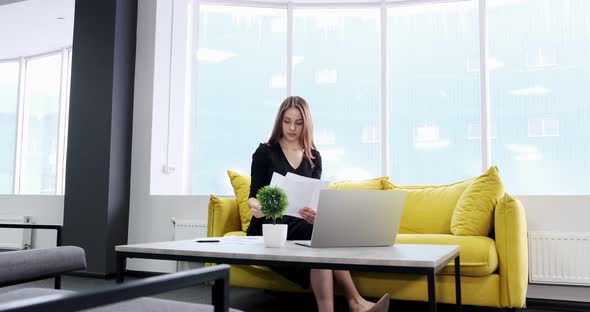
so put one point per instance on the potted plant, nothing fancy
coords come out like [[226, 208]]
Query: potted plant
[[273, 203]]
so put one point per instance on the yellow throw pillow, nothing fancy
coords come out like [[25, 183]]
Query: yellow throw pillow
[[371, 184], [475, 208], [429, 208], [241, 186]]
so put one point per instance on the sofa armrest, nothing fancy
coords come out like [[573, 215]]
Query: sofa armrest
[[223, 216], [512, 245]]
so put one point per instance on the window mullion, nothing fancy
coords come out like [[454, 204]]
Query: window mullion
[[484, 86], [384, 110], [289, 73], [20, 125], [61, 132]]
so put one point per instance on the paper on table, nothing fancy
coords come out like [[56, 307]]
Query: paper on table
[[242, 240], [301, 191]]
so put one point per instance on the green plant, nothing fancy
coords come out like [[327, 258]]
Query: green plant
[[273, 202]]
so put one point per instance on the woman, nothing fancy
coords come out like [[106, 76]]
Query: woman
[[291, 149]]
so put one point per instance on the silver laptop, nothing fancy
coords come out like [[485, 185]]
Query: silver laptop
[[357, 218]]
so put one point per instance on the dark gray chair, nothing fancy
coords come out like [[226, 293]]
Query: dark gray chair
[[35, 264], [115, 298]]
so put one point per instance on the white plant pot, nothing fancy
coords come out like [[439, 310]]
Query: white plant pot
[[275, 235]]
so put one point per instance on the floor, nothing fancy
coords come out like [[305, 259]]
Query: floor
[[250, 300]]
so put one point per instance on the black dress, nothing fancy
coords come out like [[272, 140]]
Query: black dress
[[266, 160]]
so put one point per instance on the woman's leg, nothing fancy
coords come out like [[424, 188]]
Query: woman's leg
[[322, 285], [355, 301]]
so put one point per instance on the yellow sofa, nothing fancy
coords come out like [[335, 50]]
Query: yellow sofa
[[494, 267]]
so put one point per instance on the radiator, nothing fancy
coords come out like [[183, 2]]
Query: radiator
[[559, 258], [15, 239], [188, 229]]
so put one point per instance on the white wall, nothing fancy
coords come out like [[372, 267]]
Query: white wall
[[150, 215], [43, 210], [557, 213]]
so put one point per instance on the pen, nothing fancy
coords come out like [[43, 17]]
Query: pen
[[208, 241]]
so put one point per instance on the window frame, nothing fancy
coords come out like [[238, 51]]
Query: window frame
[[159, 174], [62, 122], [165, 141]]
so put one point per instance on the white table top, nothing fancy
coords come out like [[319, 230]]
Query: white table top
[[250, 248]]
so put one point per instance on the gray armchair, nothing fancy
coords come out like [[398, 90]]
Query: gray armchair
[[116, 298], [35, 264]]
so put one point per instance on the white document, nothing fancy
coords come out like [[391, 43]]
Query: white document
[[301, 191], [242, 240]]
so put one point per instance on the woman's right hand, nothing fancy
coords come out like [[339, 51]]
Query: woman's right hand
[[255, 207]]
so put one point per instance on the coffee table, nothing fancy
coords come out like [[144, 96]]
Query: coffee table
[[401, 258]]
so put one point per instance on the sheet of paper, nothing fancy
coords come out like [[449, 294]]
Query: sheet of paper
[[318, 185], [242, 240], [301, 191], [277, 179], [298, 195]]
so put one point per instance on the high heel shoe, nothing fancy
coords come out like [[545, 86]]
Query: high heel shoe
[[382, 305]]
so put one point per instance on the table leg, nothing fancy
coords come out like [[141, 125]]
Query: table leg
[[431, 292], [220, 295], [121, 263], [458, 284], [57, 282]]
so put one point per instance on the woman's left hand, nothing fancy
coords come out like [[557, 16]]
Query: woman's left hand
[[308, 214]]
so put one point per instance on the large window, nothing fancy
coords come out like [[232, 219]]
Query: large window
[[42, 90], [9, 73], [241, 63], [433, 62], [539, 94], [395, 88], [343, 94], [33, 103]]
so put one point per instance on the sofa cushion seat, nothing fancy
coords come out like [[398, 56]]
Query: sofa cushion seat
[[479, 256]]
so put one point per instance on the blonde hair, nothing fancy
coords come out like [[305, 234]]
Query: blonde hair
[[306, 139]]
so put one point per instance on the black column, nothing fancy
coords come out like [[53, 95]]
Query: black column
[[98, 166]]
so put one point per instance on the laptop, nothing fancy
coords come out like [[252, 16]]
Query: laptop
[[357, 218]]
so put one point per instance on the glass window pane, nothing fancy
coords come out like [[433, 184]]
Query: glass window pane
[[539, 94], [40, 130], [241, 61], [336, 68], [434, 94], [9, 75]]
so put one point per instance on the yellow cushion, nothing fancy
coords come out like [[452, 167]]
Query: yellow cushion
[[429, 208], [222, 216], [479, 256], [475, 208], [241, 186], [371, 184]]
